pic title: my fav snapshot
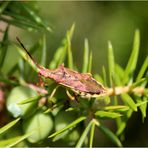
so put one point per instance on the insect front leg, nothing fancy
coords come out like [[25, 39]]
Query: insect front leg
[[50, 101], [53, 93], [72, 97], [41, 82]]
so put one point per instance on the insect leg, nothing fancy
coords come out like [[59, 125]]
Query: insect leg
[[53, 92], [70, 96], [41, 82]]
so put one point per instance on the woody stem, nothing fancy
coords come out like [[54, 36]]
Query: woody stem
[[123, 89]]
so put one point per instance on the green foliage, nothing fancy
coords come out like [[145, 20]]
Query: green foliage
[[70, 58], [62, 51], [92, 132], [4, 46], [86, 57], [84, 134], [9, 125], [143, 69], [14, 141], [45, 110], [127, 99], [60, 122], [107, 114], [111, 64], [131, 65], [20, 15], [68, 126], [110, 134]]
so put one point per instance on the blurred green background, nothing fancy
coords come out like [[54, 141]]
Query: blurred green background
[[99, 22]]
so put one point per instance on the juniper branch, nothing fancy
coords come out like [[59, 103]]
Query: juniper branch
[[123, 89]]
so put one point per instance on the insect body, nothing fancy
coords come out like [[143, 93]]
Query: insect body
[[82, 84]]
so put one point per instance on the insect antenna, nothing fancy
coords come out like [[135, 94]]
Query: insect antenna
[[27, 51]]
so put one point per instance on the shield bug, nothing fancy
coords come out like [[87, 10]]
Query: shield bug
[[82, 84]]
